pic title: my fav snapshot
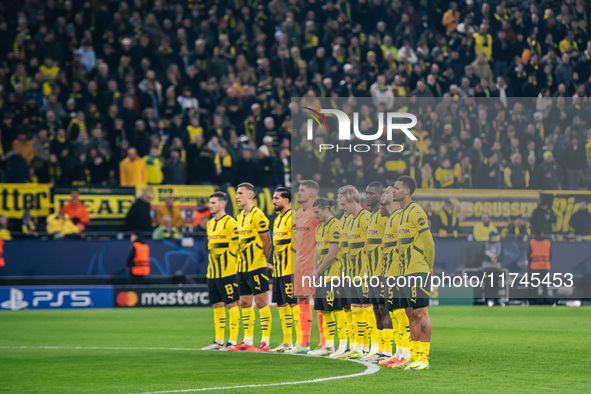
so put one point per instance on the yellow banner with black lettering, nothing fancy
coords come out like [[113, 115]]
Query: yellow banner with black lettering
[[106, 206], [185, 197], [15, 198], [565, 204], [471, 204]]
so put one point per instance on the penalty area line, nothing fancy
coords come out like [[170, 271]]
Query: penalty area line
[[369, 368]]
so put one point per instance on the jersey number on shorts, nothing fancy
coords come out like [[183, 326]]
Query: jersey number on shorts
[[289, 289]]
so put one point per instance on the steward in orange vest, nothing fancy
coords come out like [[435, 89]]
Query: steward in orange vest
[[539, 254], [2, 264], [138, 262]]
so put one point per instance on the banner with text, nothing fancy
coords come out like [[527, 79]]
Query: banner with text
[[185, 197], [106, 206], [17, 198]]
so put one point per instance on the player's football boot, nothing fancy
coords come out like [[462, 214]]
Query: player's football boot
[[388, 361], [242, 347], [401, 363], [213, 346], [298, 349], [263, 347], [338, 353], [371, 357], [417, 365], [351, 355], [321, 351], [281, 348], [227, 347]]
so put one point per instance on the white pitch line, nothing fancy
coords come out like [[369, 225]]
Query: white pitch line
[[370, 368]]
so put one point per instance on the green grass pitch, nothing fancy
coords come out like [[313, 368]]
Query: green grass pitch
[[474, 349]]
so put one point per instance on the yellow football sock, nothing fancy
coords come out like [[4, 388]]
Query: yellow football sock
[[234, 313], [295, 312], [415, 350], [286, 322], [395, 334], [360, 324], [380, 341], [388, 335], [219, 322], [341, 326], [265, 315], [425, 348], [248, 321], [371, 334], [328, 326], [403, 327], [350, 328]]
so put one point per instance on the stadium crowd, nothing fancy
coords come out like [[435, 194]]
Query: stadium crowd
[[198, 92]]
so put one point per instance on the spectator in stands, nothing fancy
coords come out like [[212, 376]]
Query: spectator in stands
[[550, 173], [138, 217], [133, 170], [445, 175], [60, 225], [489, 173], [246, 168], [76, 211], [166, 230], [448, 220], [41, 147], [154, 166], [98, 167], [483, 228], [174, 171], [575, 161], [200, 217], [17, 169], [517, 228], [434, 219], [24, 147], [4, 231], [542, 219], [492, 252], [168, 208], [580, 222], [28, 226], [515, 175]]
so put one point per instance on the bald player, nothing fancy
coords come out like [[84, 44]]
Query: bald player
[[305, 228]]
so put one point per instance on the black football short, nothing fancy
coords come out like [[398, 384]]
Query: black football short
[[417, 290], [253, 282], [223, 290], [283, 290], [328, 300]]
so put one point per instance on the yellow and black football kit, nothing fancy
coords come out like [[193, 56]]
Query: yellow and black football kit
[[344, 244], [222, 244], [282, 260], [252, 263], [373, 250], [392, 267], [413, 222], [357, 259], [326, 297]]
